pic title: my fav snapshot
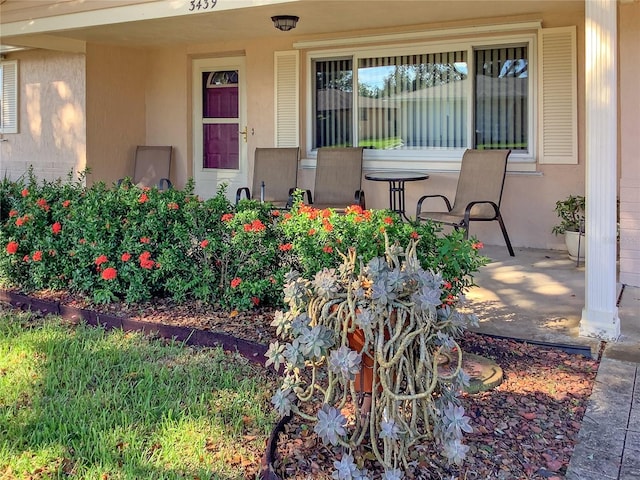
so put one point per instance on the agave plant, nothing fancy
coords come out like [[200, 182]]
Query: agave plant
[[396, 307]]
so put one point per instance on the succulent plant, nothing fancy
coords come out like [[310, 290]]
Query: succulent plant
[[397, 307]]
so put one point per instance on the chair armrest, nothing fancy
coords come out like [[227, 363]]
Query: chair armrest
[[239, 192], [467, 211], [424, 197], [164, 184], [359, 198]]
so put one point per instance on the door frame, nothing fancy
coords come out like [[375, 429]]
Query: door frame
[[207, 180]]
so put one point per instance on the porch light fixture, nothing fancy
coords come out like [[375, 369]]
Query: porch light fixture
[[284, 22]]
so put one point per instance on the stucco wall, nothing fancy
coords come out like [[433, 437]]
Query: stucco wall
[[52, 123], [116, 109], [629, 32], [167, 104]]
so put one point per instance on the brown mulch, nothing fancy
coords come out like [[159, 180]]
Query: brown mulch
[[526, 428]]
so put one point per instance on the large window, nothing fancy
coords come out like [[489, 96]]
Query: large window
[[432, 102], [9, 97]]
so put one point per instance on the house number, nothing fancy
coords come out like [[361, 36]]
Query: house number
[[201, 4]]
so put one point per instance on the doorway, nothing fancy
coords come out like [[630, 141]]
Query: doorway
[[220, 132]]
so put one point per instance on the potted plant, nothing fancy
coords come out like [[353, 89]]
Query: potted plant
[[571, 211]]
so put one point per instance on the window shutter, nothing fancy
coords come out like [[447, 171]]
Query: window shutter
[[9, 83], [287, 99], [559, 96]]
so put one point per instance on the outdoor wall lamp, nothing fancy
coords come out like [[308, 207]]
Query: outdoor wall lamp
[[284, 22]]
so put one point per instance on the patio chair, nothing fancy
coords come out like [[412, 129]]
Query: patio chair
[[338, 182], [478, 194], [152, 166], [275, 175]]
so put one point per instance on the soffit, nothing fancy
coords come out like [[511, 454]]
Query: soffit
[[317, 18]]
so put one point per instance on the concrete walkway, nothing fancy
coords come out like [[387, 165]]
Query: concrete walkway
[[538, 296]]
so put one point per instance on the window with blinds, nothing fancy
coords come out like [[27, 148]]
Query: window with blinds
[[428, 101], [501, 98], [9, 96]]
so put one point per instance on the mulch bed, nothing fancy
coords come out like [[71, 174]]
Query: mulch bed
[[526, 428]]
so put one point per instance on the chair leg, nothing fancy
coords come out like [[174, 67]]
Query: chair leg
[[504, 234]]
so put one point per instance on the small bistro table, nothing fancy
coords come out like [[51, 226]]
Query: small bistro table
[[396, 182]]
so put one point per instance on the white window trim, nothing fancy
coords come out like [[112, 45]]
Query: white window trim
[[10, 93], [432, 160]]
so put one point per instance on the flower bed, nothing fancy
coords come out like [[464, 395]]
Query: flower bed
[[133, 245]]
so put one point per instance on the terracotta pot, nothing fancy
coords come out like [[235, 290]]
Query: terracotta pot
[[364, 379]]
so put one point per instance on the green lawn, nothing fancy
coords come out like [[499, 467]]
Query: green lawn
[[79, 402]]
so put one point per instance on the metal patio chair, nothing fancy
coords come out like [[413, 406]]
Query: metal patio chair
[[152, 166], [338, 181], [275, 176], [478, 194]]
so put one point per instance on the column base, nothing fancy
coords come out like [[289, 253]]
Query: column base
[[603, 325]]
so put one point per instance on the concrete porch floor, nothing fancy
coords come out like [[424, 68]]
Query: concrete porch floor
[[538, 295]]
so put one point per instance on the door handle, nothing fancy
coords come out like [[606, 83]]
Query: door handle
[[244, 134]]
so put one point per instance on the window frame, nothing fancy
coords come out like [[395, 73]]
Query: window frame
[[432, 159], [13, 101]]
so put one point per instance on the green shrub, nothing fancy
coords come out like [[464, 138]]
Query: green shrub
[[131, 244]]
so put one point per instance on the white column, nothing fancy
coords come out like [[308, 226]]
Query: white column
[[600, 314]]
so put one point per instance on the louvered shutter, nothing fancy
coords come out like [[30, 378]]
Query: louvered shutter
[[9, 81], [558, 96], [287, 99]]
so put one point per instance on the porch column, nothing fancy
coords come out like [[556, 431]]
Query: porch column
[[600, 314]]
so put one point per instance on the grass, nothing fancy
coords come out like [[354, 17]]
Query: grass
[[81, 402]]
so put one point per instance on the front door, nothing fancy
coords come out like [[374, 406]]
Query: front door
[[220, 132]]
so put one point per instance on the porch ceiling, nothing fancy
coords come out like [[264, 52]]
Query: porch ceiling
[[23, 22]]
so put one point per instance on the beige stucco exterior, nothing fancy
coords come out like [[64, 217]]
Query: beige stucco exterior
[[93, 107], [52, 117], [629, 18]]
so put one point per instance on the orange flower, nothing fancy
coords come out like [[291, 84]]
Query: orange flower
[[37, 256], [275, 213], [326, 213], [388, 220], [235, 282], [204, 243], [145, 240], [312, 231], [227, 217], [285, 247], [13, 213], [66, 203], [56, 228], [414, 235], [109, 273], [354, 209], [247, 227], [477, 245], [125, 257], [172, 206], [255, 300], [143, 198], [12, 247], [326, 224], [42, 203], [101, 259], [145, 260], [25, 258], [24, 193], [327, 249], [258, 226], [20, 221], [287, 216]]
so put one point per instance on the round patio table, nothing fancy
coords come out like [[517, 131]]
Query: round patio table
[[396, 181]]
